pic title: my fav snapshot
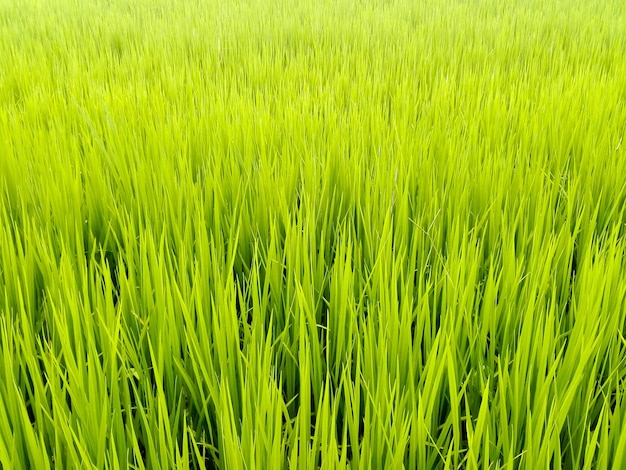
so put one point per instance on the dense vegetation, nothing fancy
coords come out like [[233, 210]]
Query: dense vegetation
[[292, 234]]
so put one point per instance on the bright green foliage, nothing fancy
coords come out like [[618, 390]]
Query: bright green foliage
[[297, 234]]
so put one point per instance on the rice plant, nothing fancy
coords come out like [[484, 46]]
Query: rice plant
[[312, 234]]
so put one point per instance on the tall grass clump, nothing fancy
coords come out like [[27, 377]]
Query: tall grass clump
[[302, 234]]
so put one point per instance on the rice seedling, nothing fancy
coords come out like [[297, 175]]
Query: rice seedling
[[297, 234]]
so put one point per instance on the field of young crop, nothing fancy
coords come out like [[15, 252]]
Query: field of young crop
[[255, 234]]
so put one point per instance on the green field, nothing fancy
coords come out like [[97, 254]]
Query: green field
[[298, 234]]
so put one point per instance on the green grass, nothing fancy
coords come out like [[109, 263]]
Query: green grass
[[298, 234]]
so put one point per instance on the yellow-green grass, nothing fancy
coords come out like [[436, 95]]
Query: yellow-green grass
[[300, 234]]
